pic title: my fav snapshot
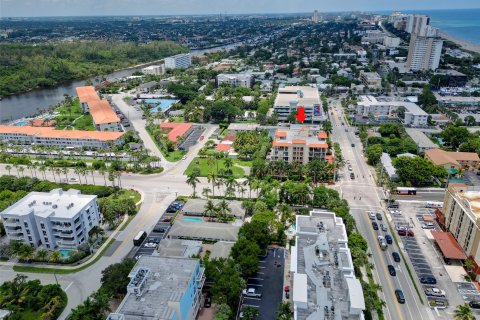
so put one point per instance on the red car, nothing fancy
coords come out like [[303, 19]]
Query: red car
[[406, 233], [166, 219]]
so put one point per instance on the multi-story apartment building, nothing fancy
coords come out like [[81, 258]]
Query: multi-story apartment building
[[301, 144], [371, 79], [235, 79], [55, 219], [454, 160], [461, 215], [383, 106], [182, 60], [157, 70], [323, 281], [104, 119], [290, 98], [424, 53], [417, 24], [315, 17], [167, 288], [47, 136]]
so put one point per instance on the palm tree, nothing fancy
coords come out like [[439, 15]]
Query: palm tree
[[92, 171], [192, 180], [210, 209], [78, 171], [213, 179], [228, 163], [249, 181], [42, 169], [52, 170], [284, 312], [103, 172], [55, 256], [463, 312], [8, 168], [34, 168], [206, 191], [16, 167], [224, 210], [21, 170], [41, 255], [65, 172], [211, 162]]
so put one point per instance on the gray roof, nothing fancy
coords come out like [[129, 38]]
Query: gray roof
[[221, 249], [243, 126], [179, 248], [197, 207], [166, 283], [215, 231], [422, 141], [388, 166]]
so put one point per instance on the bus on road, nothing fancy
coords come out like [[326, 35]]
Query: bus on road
[[139, 238], [406, 190]]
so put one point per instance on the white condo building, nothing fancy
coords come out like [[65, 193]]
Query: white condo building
[[55, 219], [183, 60], [290, 98], [235, 79], [156, 70], [383, 107]]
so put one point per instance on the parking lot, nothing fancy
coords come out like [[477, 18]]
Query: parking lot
[[150, 244], [425, 256], [268, 281], [192, 138]]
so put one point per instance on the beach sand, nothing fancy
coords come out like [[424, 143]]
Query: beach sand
[[466, 45]]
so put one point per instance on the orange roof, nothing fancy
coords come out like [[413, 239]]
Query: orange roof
[[441, 157], [448, 245], [42, 123], [280, 144], [87, 94], [322, 135], [176, 130], [318, 145], [102, 112], [223, 147], [298, 141], [48, 132], [329, 158], [280, 134]]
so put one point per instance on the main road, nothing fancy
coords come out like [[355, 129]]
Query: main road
[[363, 195]]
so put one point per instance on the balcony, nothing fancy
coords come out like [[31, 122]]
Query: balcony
[[11, 223]]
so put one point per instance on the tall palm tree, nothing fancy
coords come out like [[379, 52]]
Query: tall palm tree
[[210, 209], [206, 192], [213, 179], [65, 172], [463, 312], [21, 170], [228, 163], [102, 171], [193, 180], [92, 171], [8, 168], [78, 171], [34, 168], [249, 181], [224, 210], [55, 256], [211, 162], [15, 165], [42, 169]]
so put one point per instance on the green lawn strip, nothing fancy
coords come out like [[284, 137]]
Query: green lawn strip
[[371, 282], [243, 163], [30, 269], [128, 194], [206, 169]]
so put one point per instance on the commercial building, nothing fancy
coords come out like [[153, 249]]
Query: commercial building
[[162, 288], [371, 79], [196, 207], [324, 282], [461, 217], [374, 36], [383, 106], [458, 102], [55, 219], [182, 60], [300, 143], [48, 136], [290, 98], [454, 160], [391, 42], [176, 130], [104, 119], [421, 140], [156, 70], [388, 167], [202, 230], [235, 79]]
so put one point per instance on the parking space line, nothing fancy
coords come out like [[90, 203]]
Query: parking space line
[[256, 279]]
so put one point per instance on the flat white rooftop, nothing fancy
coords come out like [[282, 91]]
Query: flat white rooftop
[[383, 101], [305, 95], [54, 204]]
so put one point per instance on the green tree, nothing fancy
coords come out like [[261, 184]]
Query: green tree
[[469, 121], [223, 312], [115, 278], [374, 153], [417, 171], [463, 312], [245, 253], [250, 313], [284, 311], [455, 136], [192, 179]]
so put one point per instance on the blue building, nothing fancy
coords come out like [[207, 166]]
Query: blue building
[[162, 288]]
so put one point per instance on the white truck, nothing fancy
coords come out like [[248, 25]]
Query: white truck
[[251, 292]]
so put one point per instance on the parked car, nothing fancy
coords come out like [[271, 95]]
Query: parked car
[[383, 227], [208, 301], [391, 270], [434, 292], [379, 216], [474, 304], [251, 292], [396, 256], [166, 219], [374, 225], [393, 205], [389, 239], [153, 240], [404, 232], [428, 225], [428, 280], [372, 215], [400, 296]]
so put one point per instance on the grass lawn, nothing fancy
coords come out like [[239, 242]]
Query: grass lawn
[[125, 194], [177, 119], [205, 169], [30, 315], [173, 156], [67, 114], [243, 163]]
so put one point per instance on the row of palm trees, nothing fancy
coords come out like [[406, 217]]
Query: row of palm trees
[[40, 172]]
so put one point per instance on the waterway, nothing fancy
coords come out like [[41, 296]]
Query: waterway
[[37, 101]]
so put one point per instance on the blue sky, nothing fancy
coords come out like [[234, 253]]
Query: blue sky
[[30, 8]]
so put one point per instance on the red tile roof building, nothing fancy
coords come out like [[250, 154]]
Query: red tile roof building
[[176, 130], [300, 143], [101, 111]]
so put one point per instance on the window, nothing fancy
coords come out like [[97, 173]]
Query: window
[[44, 232], [30, 238], [42, 225], [28, 231], [46, 239]]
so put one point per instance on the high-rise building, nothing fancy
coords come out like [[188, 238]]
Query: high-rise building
[[182, 60], [417, 24], [315, 17], [425, 47]]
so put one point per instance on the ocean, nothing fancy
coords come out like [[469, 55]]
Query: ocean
[[459, 23]]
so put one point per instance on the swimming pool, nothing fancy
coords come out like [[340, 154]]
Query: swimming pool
[[161, 104], [65, 253], [20, 123], [193, 219]]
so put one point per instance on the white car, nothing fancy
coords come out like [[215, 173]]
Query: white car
[[434, 292], [251, 292], [428, 225], [396, 212], [184, 158]]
